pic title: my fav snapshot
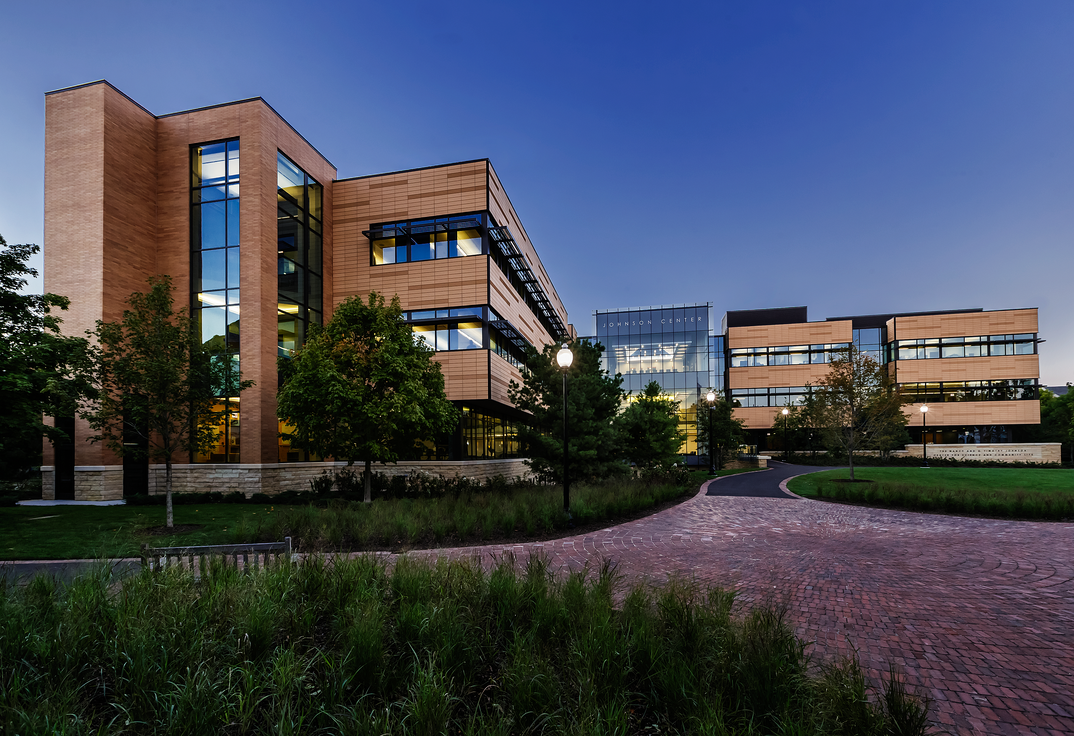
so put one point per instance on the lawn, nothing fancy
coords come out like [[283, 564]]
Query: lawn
[[76, 532], [1028, 493], [353, 646]]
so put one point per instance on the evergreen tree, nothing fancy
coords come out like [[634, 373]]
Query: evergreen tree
[[648, 428], [363, 387], [593, 400]]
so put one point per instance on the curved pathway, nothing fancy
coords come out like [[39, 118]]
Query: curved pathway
[[978, 613]]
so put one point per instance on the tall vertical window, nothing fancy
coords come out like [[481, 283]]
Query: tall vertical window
[[214, 282], [299, 232]]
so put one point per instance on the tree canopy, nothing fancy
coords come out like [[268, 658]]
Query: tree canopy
[[156, 381], [42, 372], [649, 433], [363, 387], [857, 404], [593, 401]]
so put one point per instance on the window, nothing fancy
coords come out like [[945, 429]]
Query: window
[[452, 236], [214, 280], [1018, 389], [965, 347]]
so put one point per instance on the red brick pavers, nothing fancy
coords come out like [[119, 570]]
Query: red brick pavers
[[978, 613]]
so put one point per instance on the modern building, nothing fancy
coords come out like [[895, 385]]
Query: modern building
[[262, 239], [673, 345], [977, 371]]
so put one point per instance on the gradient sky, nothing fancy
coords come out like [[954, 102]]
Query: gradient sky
[[856, 157]]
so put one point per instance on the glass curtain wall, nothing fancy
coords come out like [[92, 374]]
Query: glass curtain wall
[[670, 345], [299, 230], [214, 239]]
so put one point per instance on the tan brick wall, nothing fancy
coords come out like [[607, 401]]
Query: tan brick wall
[[805, 333], [966, 324], [758, 417], [502, 375]]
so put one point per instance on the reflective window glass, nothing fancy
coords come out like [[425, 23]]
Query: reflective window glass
[[212, 273], [212, 170], [422, 249], [212, 323], [467, 336], [233, 222], [233, 160], [213, 225], [443, 340], [954, 351], [427, 334], [468, 242], [233, 268], [1023, 348]]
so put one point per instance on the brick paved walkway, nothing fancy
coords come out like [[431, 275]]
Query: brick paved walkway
[[977, 612]]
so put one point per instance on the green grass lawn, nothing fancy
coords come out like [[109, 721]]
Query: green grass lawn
[[978, 479], [78, 532], [1029, 493]]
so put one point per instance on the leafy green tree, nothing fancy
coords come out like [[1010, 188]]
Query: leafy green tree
[[1056, 421], [727, 431], [363, 387], [593, 400], [649, 433], [857, 402], [156, 380], [42, 372]]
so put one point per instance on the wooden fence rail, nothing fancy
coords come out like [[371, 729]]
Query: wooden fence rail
[[245, 557]]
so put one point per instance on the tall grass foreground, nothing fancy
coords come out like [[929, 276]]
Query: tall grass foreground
[[350, 646]]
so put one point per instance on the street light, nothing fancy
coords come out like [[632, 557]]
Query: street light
[[710, 397], [924, 444], [564, 358], [786, 412]]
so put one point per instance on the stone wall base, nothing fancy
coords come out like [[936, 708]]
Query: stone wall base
[[1042, 452], [106, 483]]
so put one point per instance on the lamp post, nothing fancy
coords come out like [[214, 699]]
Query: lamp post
[[710, 397], [924, 444], [564, 358], [786, 412]]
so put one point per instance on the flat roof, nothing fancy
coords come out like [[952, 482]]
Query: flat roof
[[195, 109]]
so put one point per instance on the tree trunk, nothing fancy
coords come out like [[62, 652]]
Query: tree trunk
[[168, 489], [850, 454], [368, 478]]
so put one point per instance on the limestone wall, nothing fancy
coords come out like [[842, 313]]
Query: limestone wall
[[105, 483], [1045, 452]]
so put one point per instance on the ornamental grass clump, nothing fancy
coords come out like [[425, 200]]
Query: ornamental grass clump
[[351, 645]]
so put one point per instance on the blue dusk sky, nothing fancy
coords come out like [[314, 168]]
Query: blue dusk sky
[[856, 157]]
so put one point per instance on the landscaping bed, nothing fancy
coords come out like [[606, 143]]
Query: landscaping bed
[[352, 646], [328, 522]]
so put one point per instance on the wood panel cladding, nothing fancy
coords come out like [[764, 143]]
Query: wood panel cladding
[[969, 413], [965, 324], [501, 208], [453, 282], [406, 195], [758, 417], [776, 376], [501, 373], [466, 374], [967, 369], [804, 333]]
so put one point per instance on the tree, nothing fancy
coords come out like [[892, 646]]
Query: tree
[[857, 402], [648, 429], [1056, 421], [363, 387], [727, 431], [155, 380], [593, 400], [42, 372]]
